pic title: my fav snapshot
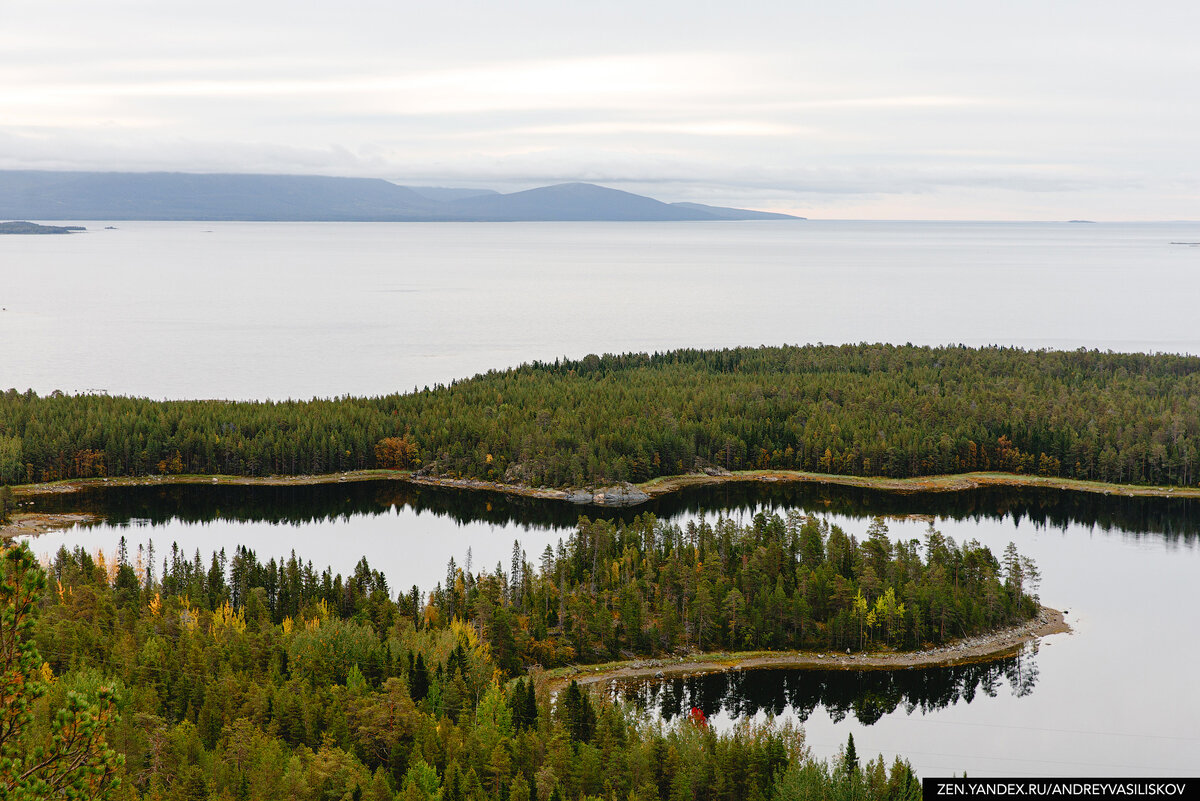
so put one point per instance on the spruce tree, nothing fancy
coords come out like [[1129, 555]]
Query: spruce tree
[[850, 759], [419, 680]]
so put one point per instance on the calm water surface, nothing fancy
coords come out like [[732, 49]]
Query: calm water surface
[[1116, 697], [275, 310]]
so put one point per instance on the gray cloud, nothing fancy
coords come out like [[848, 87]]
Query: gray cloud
[[926, 109]]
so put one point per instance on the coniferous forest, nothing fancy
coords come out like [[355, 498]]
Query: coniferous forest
[[862, 410], [229, 677]]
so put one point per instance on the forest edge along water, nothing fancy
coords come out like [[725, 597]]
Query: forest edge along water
[[625, 495], [982, 648]]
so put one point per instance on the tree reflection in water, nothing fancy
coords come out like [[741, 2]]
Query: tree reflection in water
[[1138, 517], [867, 694]]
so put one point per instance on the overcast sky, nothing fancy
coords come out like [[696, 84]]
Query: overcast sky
[[916, 110]]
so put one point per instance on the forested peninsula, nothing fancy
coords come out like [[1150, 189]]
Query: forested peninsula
[[864, 411], [20, 227], [231, 677]]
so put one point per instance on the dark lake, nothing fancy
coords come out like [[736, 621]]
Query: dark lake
[[1115, 697]]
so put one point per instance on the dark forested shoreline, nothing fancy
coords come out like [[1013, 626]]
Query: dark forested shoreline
[[855, 410]]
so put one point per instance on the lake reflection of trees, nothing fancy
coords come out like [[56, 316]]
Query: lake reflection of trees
[[301, 504], [1139, 516], [867, 694], [1167, 517]]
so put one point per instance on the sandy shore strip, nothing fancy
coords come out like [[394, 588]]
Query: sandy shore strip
[[25, 525], [981, 648], [631, 494], [949, 483], [403, 476]]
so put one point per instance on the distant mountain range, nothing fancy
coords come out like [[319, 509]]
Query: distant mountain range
[[45, 195]]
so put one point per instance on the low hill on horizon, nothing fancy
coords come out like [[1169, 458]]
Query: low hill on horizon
[[582, 201], [19, 227], [49, 195]]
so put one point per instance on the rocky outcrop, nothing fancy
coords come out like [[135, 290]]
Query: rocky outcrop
[[623, 494]]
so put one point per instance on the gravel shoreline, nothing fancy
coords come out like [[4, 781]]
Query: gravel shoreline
[[981, 648], [31, 525], [625, 494]]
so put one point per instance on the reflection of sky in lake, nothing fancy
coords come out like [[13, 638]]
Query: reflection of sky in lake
[[408, 547], [1116, 697]]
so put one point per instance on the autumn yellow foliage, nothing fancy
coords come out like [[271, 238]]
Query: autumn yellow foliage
[[226, 619]]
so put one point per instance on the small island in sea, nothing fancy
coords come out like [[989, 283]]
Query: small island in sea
[[22, 227]]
